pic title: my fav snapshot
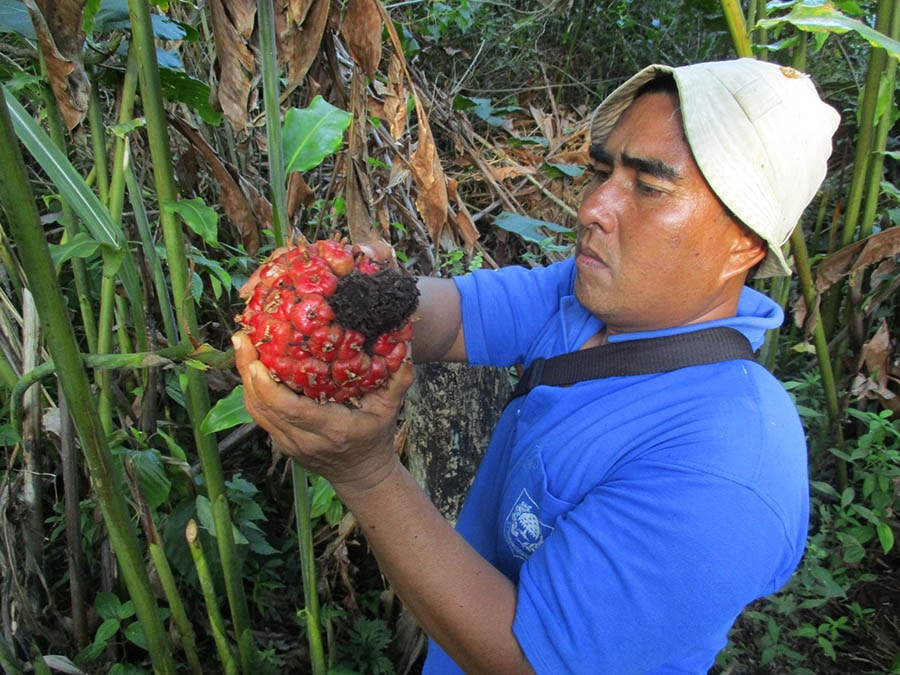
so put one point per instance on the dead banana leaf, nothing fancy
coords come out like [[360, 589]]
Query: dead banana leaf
[[358, 193], [232, 26], [361, 29], [57, 24], [425, 165], [299, 27], [249, 210], [859, 255]]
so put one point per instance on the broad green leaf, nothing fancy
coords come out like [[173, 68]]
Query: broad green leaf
[[556, 170], [151, 473], [135, 634], [14, 18], [226, 413], [527, 228], [106, 630], [885, 536], [201, 218], [825, 18], [64, 176], [82, 245], [107, 605], [311, 134], [113, 15], [179, 86]]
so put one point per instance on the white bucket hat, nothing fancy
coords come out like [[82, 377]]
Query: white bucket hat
[[759, 133]]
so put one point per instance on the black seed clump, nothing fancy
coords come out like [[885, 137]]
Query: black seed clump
[[374, 304]]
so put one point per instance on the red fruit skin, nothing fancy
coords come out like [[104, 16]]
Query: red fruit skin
[[375, 376], [351, 344], [395, 357], [289, 320], [349, 371], [324, 340], [337, 255], [310, 312], [313, 276]]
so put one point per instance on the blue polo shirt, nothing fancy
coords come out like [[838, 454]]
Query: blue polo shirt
[[637, 515]]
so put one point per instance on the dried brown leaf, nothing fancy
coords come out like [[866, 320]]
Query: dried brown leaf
[[247, 209], [57, 24], [300, 27], [395, 98], [428, 175], [361, 29], [857, 256], [877, 354], [236, 64], [358, 193]]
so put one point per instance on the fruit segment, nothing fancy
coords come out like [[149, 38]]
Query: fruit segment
[[329, 322]]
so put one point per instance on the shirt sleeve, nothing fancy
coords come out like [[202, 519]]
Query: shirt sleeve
[[504, 310]]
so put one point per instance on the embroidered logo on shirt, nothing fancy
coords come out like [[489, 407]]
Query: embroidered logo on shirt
[[523, 530]]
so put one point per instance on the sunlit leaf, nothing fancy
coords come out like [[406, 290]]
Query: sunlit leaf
[[227, 413], [825, 18], [530, 229], [312, 134], [201, 218]]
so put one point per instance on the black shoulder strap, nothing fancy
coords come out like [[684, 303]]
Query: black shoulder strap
[[636, 357]]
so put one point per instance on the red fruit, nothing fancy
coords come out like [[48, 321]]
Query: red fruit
[[375, 376], [313, 276], [337, 255], [352, 343], [327, 322], [323, 341], [396, 356], [310, 313]]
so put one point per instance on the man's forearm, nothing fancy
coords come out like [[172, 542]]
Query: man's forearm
[[464, 603]]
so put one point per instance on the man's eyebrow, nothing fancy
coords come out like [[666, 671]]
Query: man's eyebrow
[[650, 166]]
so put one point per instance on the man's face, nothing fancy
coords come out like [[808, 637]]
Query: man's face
[[655, 247]]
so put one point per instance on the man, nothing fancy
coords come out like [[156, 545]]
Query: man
[[621, 524]]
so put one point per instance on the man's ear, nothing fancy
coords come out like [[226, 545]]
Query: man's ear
[[747, 252]]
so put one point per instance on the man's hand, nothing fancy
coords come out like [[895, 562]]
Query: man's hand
[[351, 447]]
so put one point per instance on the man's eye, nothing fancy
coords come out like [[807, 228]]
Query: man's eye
[[598, 173], [648, 189]]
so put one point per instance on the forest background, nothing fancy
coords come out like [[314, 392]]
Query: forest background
[[155, 152]]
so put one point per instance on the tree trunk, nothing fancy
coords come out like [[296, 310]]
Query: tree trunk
[[451, 411]]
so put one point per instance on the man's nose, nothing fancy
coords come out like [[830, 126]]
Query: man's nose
[[597, 208]]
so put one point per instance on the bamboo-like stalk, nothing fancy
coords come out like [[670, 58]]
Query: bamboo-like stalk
[[33, 250], [820, 341], [278, 187], [737, 27], [170, 590], [831, 303], [884, 125], [196, 394], [217, 625], [83, 286]]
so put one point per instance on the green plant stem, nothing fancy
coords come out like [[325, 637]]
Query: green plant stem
[[737, 27], [829, 388], [308, 568], [127, 93], [34, 253], [278, 187], [217, 625], [271, 101], [884, 125], [98, 143], [67, 218], [196, 391], [865, 140]]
